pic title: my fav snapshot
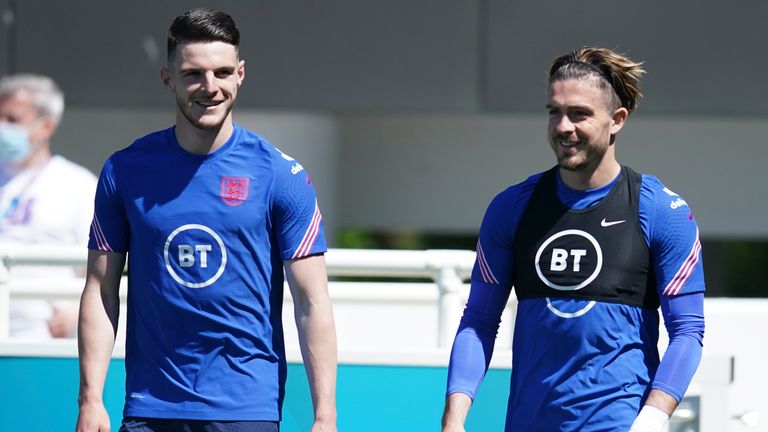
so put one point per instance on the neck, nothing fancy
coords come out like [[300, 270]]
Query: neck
[[202, 141], [590, 179]]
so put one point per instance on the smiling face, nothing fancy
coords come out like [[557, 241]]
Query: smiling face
[[205, 78], [582, 128]]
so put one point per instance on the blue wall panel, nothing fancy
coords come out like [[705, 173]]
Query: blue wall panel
[[40, 395]]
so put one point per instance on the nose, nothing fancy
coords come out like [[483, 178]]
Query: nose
[[209, 82], [563, 124]]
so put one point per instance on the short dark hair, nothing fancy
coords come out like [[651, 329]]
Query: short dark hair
[[202, 25]]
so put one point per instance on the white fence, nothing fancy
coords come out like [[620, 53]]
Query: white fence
[[358, 305]]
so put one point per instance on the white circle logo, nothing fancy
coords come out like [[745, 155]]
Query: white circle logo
[[574, 255], [194, 252], [575, 314], [567, 259]]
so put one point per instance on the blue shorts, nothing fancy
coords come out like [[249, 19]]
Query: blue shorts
[[141, 424]]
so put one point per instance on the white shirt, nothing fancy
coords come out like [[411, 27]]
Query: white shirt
[[51, 205]]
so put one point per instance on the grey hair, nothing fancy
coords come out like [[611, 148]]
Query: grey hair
[[46, 96]]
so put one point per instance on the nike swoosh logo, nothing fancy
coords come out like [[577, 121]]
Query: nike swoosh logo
[[605, 223]]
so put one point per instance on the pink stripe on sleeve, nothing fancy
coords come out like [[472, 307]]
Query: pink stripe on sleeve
[[686, 270], [305, 247], [485, 269], [98, 235]]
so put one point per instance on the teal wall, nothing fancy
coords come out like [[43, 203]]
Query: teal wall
[[40, 395]]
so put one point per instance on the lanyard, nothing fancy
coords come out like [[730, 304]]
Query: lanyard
[[13, 204]]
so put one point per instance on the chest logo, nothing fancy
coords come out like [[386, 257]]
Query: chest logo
[[195, 255], [234, 190], [605, 223], [569, 260]]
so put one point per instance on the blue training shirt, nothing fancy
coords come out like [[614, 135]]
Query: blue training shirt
[[601, 384], [206, 236]]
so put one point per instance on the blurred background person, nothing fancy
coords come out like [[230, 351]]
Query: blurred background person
[[44, 198]]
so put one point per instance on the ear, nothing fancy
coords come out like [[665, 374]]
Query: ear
[[618, 118], [240, 72], [47, 128], [166, 79]]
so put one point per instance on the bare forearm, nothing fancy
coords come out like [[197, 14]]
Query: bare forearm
[[96, 339], [317, 338], [308, 281], [662, 401], [97, 324], [456, 409]]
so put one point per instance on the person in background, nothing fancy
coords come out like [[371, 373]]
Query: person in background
[[592, 249], [44, 198]]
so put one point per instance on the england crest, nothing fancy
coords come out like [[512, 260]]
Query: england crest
[[234, 190]]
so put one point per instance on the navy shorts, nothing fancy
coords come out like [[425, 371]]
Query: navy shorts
[[141, 424]]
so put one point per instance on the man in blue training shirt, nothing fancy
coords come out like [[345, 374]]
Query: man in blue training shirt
[[208, 215], [592, 249]]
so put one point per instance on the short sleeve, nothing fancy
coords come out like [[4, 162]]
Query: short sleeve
[[674, 240], [297, 221], [84, 206], [110, 231]]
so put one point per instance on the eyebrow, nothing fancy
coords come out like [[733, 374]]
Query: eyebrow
[[195, 69], [581, 107]]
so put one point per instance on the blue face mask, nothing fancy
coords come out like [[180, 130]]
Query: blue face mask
[[14, 143]]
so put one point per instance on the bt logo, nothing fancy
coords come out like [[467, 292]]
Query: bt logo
[[195, 256], [560, 259], [568, 261], [571, 260], [187, 255]]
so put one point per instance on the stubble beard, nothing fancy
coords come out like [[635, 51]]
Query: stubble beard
[[585, 160], [186, 111], [570, 163]]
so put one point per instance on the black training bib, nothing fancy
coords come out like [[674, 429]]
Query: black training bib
[[597, 253]]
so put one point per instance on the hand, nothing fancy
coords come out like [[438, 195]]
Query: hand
[[63, 321], [93, 417], [323, 426], [453, 428]]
